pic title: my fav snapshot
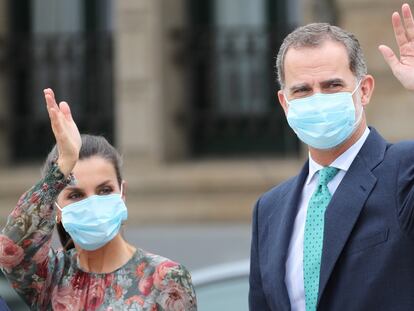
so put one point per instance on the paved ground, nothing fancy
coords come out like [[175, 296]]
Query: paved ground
[[195, 246]]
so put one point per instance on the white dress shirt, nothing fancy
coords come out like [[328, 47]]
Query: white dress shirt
[[294, 262]]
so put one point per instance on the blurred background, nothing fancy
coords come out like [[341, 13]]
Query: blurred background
[[186, 90]]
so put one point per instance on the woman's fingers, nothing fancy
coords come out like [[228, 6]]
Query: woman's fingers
[[50, 98], [65, 109], [66, 133], [56, 122]]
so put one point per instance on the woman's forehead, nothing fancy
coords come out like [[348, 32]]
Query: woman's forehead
[[94, 170]]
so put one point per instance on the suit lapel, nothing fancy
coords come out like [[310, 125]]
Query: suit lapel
[[347, 203], [280, 235]]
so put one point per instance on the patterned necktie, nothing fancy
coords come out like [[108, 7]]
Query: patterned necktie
[[313, 239]]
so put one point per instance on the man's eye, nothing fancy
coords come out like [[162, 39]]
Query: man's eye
[[335, 85], [299, 91]]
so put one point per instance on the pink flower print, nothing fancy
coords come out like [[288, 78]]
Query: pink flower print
[[42, 268], [11, 254], [161, 271], [63, 299], [35, 198], [26, 243], [139, 272], [42, 253], [118, 290], [145, 285], [17, 211], [96, 294], [174, 298], [136, 299]]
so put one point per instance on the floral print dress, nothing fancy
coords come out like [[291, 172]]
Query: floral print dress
[[53, 280]]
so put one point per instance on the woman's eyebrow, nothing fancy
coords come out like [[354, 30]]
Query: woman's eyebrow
[[73, 188], [105, 183]]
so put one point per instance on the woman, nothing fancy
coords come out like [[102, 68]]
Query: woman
[[83, 192]]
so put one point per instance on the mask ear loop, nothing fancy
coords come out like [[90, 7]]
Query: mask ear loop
[[358, 120], [359, 83], [287, 101], [56, 217], [57, 205]]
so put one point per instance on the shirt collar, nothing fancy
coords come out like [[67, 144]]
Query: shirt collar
[[343, 162]]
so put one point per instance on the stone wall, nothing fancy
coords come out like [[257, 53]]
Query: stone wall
[[392, 107]]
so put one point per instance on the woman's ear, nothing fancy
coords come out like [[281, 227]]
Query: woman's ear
[[124, 189]]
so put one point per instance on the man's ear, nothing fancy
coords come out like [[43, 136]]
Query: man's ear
[[367, 87], [282, 101]]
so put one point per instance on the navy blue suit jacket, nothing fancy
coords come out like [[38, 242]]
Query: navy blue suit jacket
[[368, 248], [3, 306]]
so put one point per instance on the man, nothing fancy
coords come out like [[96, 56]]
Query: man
[[340, 235]]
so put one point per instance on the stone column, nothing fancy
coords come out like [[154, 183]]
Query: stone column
[[174, 144], [149, 83], [137, 88]]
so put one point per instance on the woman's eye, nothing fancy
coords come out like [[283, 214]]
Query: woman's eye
[[106, 190], [74, 196]]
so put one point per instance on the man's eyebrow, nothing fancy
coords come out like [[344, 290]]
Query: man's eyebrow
[[298, 87], [333, 81]]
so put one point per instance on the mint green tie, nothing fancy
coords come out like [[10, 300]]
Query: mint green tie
[[313, 239]]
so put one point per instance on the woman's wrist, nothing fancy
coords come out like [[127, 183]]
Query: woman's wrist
[[66, 166]]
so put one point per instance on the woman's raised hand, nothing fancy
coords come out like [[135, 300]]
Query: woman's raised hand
[[66, 132]]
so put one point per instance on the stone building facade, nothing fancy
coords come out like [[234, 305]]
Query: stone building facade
[[170, 179]]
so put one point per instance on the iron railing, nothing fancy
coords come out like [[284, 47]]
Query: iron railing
[[232, 100], [79, 67]]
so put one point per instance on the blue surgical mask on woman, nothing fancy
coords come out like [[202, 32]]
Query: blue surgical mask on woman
[[324, 121], [94, 221]]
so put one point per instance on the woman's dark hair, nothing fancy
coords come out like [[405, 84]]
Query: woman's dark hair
[[92, 145]]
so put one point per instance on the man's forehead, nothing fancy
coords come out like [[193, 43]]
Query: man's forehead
[[327, 61], [327, 44]]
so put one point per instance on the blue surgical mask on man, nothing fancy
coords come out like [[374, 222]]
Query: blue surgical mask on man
[[324, 121], [94, 221]]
